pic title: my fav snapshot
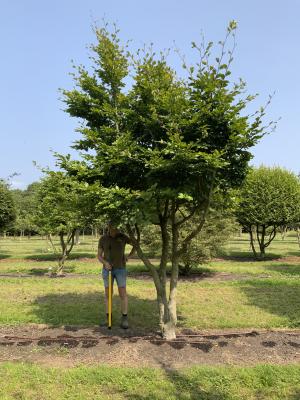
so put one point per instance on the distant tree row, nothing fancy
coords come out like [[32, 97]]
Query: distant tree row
[[268, 202]]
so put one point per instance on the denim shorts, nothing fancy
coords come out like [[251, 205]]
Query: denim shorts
[[116, 273]]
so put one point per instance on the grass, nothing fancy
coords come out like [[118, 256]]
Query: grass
[[80, 301], [31, 382], [240, 246], [269, 297], [34, 256], [38, 247]]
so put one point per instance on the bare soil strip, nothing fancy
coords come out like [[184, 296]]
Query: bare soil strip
[[217, 276], [70, 346]]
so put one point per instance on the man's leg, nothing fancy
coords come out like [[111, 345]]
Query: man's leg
[[124, 300], [120, 275]]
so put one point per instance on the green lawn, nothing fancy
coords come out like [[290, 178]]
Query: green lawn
[[240, 246], [254, 303], [30, 382], [39, 248], [35, 256], [269, 297]]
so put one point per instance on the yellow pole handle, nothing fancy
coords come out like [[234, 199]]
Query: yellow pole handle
[[109, 299]]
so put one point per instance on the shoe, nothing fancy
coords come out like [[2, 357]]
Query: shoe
[[124, 322], [104, 324]]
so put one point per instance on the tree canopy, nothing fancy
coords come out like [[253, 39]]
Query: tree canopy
[[157, 150], [25, 203], [269, 198], [59, 211]]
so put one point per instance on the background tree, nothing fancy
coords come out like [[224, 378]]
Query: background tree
[[217, 230], [155, 152], [269, 198], [59, 212], [25, 202], [7, 207]]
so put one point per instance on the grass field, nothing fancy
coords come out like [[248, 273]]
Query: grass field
[[102, 383], [259, 294]]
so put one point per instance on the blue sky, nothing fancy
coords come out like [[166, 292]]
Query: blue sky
[[38, 40]]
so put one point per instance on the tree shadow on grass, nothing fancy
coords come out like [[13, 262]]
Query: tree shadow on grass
[[53, 257], [209, 385], [295, 395], [247, 256], [278, 298], [3, 256], [195, 274], [180, 386], [87, 309], [293, 253], [286, 269]]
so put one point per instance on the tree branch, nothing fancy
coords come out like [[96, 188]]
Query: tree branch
[[145, 259], [185, 218], [271, 236], [196, 231], [71, 238]]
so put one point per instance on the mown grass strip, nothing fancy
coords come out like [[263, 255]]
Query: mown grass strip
[[32, 382], [256, 303]]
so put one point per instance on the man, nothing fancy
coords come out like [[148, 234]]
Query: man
[[111, 253]]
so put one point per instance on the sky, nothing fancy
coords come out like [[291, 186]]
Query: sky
[[39, 40]]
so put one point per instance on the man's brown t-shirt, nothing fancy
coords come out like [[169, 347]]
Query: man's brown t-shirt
[[114, 249]]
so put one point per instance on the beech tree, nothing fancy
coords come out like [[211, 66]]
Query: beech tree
[[269, 199], [59, 212], [156, 150], [25, 204]]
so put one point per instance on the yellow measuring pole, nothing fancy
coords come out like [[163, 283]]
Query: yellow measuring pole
[[109, 299]]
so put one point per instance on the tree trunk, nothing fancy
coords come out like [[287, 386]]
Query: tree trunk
[[168, 307], [66, 247], [283, 231], [262, 252], [166, 320], [61, 264], [77, 239], [264, 238], [261, 240], [167, 316], [252, 242], [174, 272], [298, 235]]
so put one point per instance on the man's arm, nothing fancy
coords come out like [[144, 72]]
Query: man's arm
[[128, 241], [101, 259]]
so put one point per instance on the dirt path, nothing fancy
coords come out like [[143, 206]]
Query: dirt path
[[211, 277], [69, 346]]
